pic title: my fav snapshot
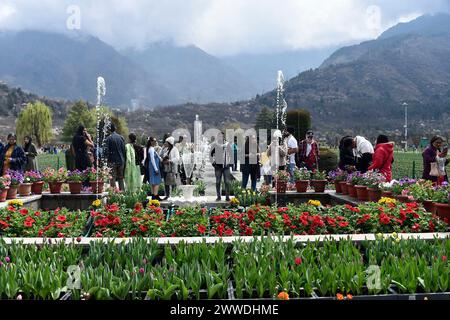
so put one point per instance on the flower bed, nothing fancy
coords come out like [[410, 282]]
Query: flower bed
[[262, 269], [16, 221]]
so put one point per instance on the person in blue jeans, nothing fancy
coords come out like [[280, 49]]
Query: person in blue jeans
[[292, 150], [250, 168]]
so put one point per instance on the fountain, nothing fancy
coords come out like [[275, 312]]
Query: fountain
[[281, 102]]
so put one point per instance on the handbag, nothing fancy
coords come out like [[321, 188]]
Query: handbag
[[434, 171]]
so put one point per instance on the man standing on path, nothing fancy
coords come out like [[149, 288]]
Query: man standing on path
[[292, 150], [115, 155], [308, 152]]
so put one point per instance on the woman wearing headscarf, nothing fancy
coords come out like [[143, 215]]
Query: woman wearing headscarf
[[170, 159], [383, 157], [277, 152], [12, 156], [432, 154], [132, 172], [31, 153], [363, 151], [81, 142]]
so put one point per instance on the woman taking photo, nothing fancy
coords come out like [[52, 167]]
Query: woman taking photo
[[383, 157], [12, 156], [154, 164], [434, 159], [31, 153], [81, 142]]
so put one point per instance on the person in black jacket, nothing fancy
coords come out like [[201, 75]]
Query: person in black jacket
[[347, 159], [12, 156], [115, 154], [221, 158]]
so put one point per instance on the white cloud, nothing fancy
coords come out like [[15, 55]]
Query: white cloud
[[218, 26]]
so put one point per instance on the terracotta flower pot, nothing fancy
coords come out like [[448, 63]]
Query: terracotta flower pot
[[374, 194], [362, 194], [429, 206], [344, 189], [75, 187], [37, 187], [351, 190], [55, 187], [3, 194], [319, 185], [25, 189], [97, 186], [281, 186], [302, 185], [443, 211], [337, 186], [12, 193], [387, 194]]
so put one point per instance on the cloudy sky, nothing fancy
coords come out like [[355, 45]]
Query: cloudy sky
[[220, 27]]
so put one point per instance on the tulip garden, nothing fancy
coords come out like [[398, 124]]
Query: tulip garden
[[255, 249]]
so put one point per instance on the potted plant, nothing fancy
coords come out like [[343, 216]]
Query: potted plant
[[25, 186], [281, 180], [339, 177], [352, 180], [75, 180], [441, 200], [37, 181], [16, 179], [97, 178], [372, 181], [423, 192], [319, 181], [302, 177], [400, 189], [55, 178], [5, 182]]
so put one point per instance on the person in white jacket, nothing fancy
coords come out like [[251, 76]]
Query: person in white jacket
[[363, 151]]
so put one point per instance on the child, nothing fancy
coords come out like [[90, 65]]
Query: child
[[441, 160]]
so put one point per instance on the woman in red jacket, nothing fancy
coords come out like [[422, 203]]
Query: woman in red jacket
[[383, 157]]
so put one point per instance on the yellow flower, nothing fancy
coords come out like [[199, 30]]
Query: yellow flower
[[154, 203], [315, 203], [397, 240], [97, 203], [386, 200], [234, 201], [16, 203], [379, 235], [394, 235]]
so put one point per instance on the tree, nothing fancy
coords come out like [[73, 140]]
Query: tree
[[300, 120], [36, 121], [119, 122], [79, 114], [265, 119]]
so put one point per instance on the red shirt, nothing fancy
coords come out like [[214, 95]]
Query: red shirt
[[382, 159]]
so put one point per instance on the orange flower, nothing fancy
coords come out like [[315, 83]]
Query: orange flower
[[283, 295], [340, 296], [349, 296]]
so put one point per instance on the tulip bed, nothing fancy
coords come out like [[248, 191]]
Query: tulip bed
[[267, 268], [114, 220]]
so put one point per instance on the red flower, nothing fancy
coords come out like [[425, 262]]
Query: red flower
[[201, 228], [143, 228], [112, 208], [11, 209], [61, 218], [41, 233], [179, 212], [267, 224], [229, 232], [343, 224], [298, 261], [248, 231], [3, 224], [384, 219], [416, 227], [138, 207], [23, 211], [122, 234], [444, 258], [37, 214], [135, 219], [60, 235], [28, 223], [431, 226], [133, 233]]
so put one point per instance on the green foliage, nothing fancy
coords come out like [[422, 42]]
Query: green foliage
[[119, 122], [35, 120], [79, 114], [328, 159], [300, 120], [265, 119]]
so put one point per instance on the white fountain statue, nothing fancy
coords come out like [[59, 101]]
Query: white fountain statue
[[281, 107]]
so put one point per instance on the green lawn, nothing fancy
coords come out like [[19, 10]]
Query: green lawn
[[51, 160]]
